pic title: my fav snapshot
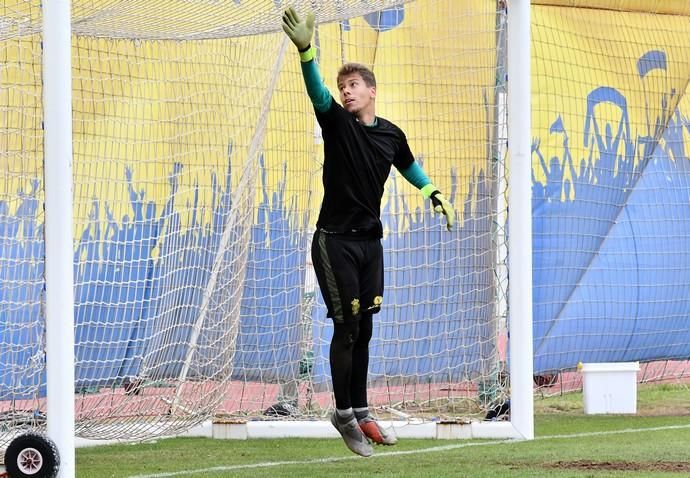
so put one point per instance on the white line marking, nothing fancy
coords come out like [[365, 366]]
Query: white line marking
[[272, 464]]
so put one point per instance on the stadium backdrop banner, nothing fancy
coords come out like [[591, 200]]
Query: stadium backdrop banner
[[611, 191]]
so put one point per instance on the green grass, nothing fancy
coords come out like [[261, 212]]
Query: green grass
[[567, 444]]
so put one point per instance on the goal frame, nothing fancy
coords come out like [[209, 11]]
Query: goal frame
[[57, 98], [59, 268]]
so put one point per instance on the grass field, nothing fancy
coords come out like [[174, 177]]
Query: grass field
[[655, 442]]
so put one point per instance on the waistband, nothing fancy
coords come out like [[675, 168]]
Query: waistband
[[360, 234]]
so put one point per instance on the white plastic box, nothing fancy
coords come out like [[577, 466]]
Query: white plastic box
[[610, 387]]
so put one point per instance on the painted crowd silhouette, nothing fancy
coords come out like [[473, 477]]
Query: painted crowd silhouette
[[611, 245]]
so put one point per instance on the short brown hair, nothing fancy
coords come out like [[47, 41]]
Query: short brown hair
[[350, 68]]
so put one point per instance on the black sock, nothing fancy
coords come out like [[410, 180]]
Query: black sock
[[342, 343]]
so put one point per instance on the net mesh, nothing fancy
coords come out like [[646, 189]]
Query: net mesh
[[610, 190], [197, 164]]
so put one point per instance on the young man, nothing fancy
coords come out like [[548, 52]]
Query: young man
[[359, 149]]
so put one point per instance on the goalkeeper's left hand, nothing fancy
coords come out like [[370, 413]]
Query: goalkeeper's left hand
[[442, 205], [298, 30]]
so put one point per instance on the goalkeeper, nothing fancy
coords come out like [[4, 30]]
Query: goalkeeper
[[359, 149]]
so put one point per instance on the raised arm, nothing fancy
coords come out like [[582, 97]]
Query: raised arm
[[300, 33]]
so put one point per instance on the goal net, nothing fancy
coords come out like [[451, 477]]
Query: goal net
[[611, 230], [197, 164]]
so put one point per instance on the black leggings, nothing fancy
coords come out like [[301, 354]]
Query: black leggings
[[349, 358]]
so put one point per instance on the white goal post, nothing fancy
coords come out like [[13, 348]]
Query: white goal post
[[59, 251], [520, 207]]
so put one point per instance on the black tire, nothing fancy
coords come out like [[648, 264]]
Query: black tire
[[32, 455]]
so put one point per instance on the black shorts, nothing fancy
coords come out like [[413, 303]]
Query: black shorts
[[350, 274]]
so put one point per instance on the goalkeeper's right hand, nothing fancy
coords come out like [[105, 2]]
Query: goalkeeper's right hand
[[298, 30]]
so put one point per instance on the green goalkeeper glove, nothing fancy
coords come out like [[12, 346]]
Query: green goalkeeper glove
[[442, 205], [298, 30]]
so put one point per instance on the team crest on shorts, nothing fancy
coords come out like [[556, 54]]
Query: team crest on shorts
[[378, 300], [355, 306]]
